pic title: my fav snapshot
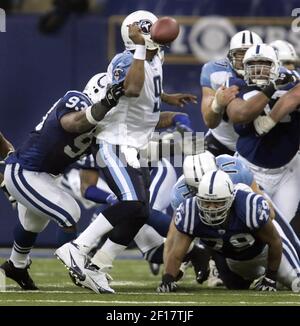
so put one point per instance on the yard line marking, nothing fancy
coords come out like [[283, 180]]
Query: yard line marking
[[154, 302]]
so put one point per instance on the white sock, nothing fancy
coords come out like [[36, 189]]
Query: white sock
[[19, 260], [90, 237], [106, 255]]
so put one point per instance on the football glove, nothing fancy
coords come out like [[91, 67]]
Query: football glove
[[285, 77], [167, 284], [265, 284], [113, 94]]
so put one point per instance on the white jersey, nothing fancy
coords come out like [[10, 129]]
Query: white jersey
[[134, 119]]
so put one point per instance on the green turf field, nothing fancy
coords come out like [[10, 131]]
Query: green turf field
[[134, 286]]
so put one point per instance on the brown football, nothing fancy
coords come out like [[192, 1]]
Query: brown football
[[164, 30]]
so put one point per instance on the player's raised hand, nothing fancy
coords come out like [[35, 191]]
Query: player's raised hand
[[224, 95], [179, 99], [135, 34], [113, 94]]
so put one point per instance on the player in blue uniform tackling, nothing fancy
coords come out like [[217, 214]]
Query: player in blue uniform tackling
[[64, 134]]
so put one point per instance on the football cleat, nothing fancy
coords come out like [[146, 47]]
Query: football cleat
[[94, 280], [71, 256], [19, 275], [213, 277]]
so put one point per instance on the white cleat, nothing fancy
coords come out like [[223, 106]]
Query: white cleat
[[213, 277], [94, 280], [73, 259]]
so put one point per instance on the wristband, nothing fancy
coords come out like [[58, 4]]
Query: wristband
[[140, 52], [89, 116], [216, 107]]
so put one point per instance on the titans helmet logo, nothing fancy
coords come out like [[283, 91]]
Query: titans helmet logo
[[145, 26]]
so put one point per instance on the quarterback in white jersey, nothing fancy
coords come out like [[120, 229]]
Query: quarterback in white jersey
[[119, 139]]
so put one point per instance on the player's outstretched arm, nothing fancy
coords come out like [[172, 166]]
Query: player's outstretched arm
[[285, 105], [269, 235], [176, 247], [213, 104], [135, 77], [241, 111], [178, 99], [79, 122]]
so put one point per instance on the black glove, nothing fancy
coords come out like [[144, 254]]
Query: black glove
[[113, 93], [8, 195], [284, 79], [266, 282], [167, 284]]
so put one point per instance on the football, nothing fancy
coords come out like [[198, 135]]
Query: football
[[164, 30]]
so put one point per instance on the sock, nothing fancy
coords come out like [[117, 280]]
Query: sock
[[90, 237], [24, 240], [148, 238], [63, 237], [159, 221], [106, 255]]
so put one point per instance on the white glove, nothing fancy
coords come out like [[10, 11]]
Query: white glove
[[131, 156], [263, 124]]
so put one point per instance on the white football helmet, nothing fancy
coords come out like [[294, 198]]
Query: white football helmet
[[214, 197], [261, 65], [239, 44], [194, 167], [145, 20], [285, 51], [95, 89]]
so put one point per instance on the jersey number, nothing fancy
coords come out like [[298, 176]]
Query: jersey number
[[81, 143], [239, 242], [157, 92]]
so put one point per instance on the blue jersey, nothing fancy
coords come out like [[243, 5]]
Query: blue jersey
[[237, 171], [49, 148], [235, 238], [279, 145], [215, 73]]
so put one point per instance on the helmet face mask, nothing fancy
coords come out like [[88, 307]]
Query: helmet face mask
[[145, 20], [239, 44], [214, 197], [261, 65]]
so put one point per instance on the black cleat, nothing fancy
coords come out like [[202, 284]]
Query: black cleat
[[19, 275]]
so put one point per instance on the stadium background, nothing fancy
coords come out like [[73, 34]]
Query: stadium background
[[37, 68]]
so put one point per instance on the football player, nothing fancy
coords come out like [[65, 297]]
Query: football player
[[287, 55], [120, 137], [64, 134], [273, 158], [235, 223], [221, 137]]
